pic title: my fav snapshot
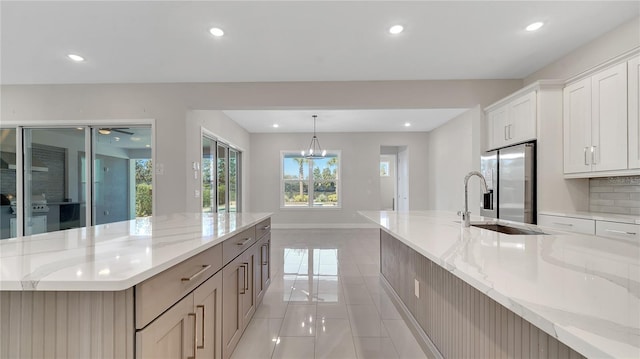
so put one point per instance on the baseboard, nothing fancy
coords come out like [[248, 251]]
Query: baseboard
[[422, 337], [322, 225]]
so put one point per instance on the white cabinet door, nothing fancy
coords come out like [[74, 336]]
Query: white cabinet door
[[521, 123], [497, 120], [634, 112], [577, 126], [609, 119]]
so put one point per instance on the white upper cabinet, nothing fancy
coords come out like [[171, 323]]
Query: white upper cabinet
[[512, 122], [595, 123], [609, 119], [634, 113], [522, 116], [577, 126]]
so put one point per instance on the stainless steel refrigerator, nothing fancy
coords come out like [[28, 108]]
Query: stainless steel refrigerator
[[511, 173]]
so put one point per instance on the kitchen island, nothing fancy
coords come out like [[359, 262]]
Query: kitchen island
[[138, 288], [482, 293]]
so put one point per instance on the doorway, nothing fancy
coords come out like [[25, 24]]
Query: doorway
[[394, 177]]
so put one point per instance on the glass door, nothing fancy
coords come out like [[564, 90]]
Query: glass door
[[51, 179], [208, 174], [222, 180], [234, 162], [122, 173]]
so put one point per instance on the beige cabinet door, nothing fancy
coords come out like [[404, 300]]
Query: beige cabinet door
[[249, 297], [171, 335], [208, 308], [521, 124], [609, 119], [262, 264], [233, 292], [634, 112], [577, 126]]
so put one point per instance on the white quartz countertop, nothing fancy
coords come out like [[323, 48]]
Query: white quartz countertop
[[611, 217], [115, 256], [583, 290]]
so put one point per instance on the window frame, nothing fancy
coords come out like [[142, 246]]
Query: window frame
[[310, 182]]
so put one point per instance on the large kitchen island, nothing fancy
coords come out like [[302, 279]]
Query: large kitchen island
[[473, 292], [147, 288]]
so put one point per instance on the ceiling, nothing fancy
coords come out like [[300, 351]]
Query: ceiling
[[420, 120], [169, 42]]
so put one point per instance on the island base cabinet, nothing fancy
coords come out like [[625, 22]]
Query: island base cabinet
[[262, 267], [459, 320], [189, 329], [238, 299], [171, 335], [39, 324]]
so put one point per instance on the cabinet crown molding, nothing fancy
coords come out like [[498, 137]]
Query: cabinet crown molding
[[624, 57], [538, 85]]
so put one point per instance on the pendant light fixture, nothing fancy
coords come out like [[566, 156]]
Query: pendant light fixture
[[314, 151]]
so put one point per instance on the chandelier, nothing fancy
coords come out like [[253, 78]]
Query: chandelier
[[314, 151]]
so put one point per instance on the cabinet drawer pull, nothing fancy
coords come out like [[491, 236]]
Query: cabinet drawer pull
[[510, 136], [244, 241], [593, 155], [621, 232], [194, 336], [505, 133], [205, 267], [201, 346], [267, 227], [563, 224]]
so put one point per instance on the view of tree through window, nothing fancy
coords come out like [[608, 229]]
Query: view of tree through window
[[318, 190], [144, 173]]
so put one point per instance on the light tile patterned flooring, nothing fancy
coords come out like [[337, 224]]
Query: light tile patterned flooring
[[326, 301]]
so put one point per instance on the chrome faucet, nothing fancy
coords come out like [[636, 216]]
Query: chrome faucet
[[487, 192]]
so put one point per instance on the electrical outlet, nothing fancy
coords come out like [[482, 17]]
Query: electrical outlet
[[196, 193], [416, 288], [159, 169]]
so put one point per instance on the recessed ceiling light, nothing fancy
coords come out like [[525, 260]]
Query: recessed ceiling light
[[535, 26], [76, 58], [407, 124], [217, 32], [79, 128], [275, 125], [396, 29]]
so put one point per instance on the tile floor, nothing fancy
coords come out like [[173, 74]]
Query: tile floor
[[326, 301]]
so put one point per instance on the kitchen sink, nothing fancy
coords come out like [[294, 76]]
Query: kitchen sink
[[507, 229]]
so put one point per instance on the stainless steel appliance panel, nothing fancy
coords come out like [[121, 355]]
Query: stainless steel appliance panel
[[516, 183], [489, 169]]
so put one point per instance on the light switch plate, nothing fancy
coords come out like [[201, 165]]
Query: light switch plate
[[416, 288]]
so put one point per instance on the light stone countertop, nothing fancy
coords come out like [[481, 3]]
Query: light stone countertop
[[114, 256], [611, 217], [583, 290]]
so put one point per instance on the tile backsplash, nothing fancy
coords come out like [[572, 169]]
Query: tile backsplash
[[615, 195]]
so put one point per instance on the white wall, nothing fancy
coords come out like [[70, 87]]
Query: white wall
[[453, 151], [168, 105], [614, 43], [360, 175]]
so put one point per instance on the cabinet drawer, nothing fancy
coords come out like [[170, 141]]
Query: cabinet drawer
[[626, 231], [158, 293], [263, 228], [237, 244], [569, 224]]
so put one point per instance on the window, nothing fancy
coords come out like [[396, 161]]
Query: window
[[310, 182], [61, 189], [220, 176]]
